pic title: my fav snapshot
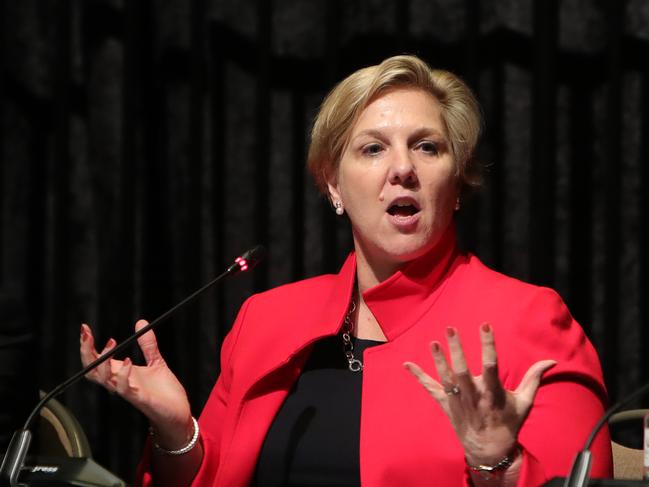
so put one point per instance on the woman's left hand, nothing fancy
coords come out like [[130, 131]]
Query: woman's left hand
[[486, 417]]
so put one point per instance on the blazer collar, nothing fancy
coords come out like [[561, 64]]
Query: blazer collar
[[399, 301]]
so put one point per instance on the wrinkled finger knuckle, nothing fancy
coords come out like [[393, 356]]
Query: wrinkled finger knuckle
[[426, 384], [415, 372], [488, 338], [444, 373], [454, 345], [439, 359]]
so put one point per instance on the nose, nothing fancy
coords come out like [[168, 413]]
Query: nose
[[402, 170]]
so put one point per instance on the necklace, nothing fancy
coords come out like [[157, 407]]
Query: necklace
[[354, 364]]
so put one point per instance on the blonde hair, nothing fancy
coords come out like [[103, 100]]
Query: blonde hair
[[344, 104]]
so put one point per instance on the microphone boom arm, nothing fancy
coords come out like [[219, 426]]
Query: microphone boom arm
[[17, 450]]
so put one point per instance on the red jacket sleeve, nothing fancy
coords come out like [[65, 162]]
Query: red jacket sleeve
[[210, 420], [571, 398]]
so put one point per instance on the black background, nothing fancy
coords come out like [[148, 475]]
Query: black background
[[144, 144]]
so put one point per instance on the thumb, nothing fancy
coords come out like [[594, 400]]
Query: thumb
[[526, 390], [148, 344]]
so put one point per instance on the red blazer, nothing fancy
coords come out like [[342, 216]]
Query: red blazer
[[406, 439]]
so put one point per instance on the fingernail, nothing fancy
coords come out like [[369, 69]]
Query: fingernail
[[127, 361], [450, 331], [435, 347], [486, 327]]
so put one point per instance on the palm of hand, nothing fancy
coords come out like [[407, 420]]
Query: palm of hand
[[486, 417], [151, 388]]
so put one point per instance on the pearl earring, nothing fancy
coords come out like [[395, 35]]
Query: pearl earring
[[457, 204], [339, 208]]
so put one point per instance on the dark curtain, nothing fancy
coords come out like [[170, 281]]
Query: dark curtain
[[144, 144]]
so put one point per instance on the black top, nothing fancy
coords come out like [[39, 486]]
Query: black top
[[314, 439]]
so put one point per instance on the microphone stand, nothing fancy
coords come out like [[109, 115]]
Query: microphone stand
[[14, 458], [580, 471]]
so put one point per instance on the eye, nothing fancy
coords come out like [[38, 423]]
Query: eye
[[428, 147], [372, 149]]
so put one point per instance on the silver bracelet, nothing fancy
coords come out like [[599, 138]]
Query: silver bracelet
[[184, 449], [489, 472]]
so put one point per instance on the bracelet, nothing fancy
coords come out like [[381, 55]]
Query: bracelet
[[489, 472], [184, 449]]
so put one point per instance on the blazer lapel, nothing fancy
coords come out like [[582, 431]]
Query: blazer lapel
[[294, 319]]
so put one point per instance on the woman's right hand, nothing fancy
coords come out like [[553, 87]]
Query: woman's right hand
[[153, 389]]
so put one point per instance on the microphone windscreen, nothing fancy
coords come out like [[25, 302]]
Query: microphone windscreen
[[254, 255]]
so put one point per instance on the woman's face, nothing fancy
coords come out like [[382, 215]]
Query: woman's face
[[397, 178]]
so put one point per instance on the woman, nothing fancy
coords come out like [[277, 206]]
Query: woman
[[313, 389]]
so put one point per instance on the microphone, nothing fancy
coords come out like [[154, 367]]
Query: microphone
[[249, 259], [16, 452], [580, 471]]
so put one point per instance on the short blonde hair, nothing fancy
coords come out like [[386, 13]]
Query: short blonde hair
[[344, 104]]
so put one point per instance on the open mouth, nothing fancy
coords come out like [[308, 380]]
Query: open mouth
[[403, 209]]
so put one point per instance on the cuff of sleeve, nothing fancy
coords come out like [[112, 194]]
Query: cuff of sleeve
[[143, 476], [207, 471], [531, 472]]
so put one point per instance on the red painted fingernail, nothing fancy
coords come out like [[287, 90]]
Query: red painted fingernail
[[435, 347], [450, 331], [486, 327]]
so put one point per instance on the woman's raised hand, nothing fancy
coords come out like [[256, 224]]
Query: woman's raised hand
[[486, 417], [152, 388]]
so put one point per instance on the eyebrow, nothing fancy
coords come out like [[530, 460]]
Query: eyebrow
[[369, 133], [416, 134], [428, 131]]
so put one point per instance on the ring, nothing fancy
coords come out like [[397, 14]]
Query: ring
[[453, 390]]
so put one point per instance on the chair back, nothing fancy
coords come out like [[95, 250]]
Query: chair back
[[59, 432], [627, 462]]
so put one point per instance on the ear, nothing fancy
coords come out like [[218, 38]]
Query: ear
[[334, 194], [332, 185]]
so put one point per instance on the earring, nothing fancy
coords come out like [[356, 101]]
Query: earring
[[339, 207], [457, 204]]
